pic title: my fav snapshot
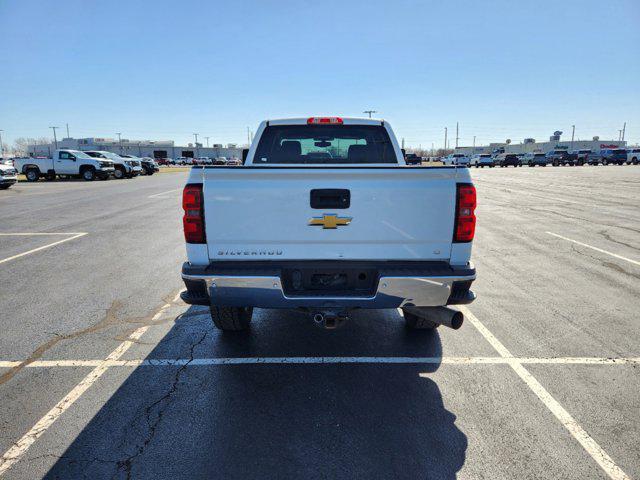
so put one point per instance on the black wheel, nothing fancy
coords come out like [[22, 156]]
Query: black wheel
[[4, 186], [231, 318], [89, 174], [414, 322], [33, 174], [119, 173]]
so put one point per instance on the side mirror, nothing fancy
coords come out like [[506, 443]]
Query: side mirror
[[245, 153]]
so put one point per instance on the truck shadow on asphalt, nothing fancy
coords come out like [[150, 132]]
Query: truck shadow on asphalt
[[274, 420]]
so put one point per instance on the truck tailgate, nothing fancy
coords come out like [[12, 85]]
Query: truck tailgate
[[394, 213]]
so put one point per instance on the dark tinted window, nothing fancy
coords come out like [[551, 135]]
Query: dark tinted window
[[322, 144]]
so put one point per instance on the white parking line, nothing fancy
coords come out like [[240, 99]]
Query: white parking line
[[588, 443], [635, 262], [169, 362], [20, 447], [163, 193], [75, 235]]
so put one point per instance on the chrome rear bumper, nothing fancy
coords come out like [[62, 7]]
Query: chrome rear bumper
[[266, 291]]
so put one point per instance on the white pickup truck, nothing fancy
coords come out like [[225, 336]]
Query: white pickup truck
[[69, 163], [8, 175], [325, 216], [124, 167]]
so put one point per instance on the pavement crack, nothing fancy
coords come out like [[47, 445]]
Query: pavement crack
[[109, 319], [619, 242], [154, 413]]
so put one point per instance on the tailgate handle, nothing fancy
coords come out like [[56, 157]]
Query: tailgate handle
[[330, 198]]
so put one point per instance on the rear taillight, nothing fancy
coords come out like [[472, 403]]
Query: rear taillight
[[324, 121], [465, 225], [193, 220]]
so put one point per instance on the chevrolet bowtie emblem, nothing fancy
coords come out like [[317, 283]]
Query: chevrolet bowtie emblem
[[330, 220]]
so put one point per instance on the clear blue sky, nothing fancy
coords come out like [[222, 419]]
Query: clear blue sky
[[165, 69]]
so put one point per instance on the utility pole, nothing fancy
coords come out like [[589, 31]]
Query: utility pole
[[402, 143], [68, 131], [370, 112], [55, 138], [196, 144], [457, 137], [573, 132], [120, 140], [619, 135], [474, 144], [248, 137], [624, 127], [207, 141], [1, 145], [445, 138]]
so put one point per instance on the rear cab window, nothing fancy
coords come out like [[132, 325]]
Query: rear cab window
[[324, 144]]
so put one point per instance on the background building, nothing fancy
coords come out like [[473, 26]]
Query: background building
[[530, 145], [139, 148]]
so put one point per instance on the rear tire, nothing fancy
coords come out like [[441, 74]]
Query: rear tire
[[33, 174], [231, 319], [414, 322], [119, 173]]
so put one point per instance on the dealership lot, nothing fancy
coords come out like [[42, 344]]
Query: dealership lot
[[104, 373]]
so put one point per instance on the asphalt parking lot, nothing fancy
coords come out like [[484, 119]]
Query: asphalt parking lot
[[104, 373]]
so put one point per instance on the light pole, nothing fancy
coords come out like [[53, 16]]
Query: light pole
[[445, 139], [474, 144], [207, 141], [370, 112], [119, 140], [55, 138], [196, 137], [573, 132], [1, 145]]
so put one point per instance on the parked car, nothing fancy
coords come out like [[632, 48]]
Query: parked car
[[162, 161], [318, 256], [633, 155], [615, 156], [8, 176], [204, 161], [65, 163], [234, 161], [560, 156], [124, 167], [412, 159], [220, 161], [482, 160], [183, 161], [149, 166], [535, 158], [585, 157], [508, 159], [456, 159]]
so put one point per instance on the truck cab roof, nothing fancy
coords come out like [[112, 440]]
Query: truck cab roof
[[332, 120]]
